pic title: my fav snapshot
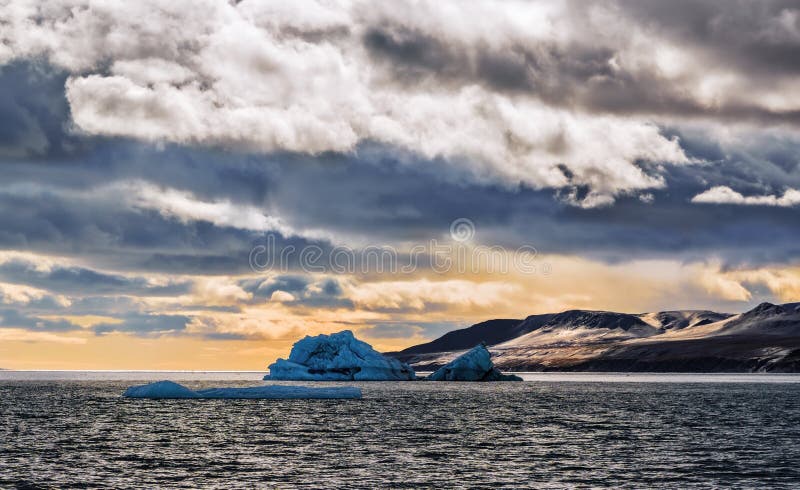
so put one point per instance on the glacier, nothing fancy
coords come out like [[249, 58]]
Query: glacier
[[474, 365], [172, 390], [338, 357]]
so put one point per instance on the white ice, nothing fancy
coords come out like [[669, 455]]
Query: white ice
[[338, 357], [474, 365], [170, 389]]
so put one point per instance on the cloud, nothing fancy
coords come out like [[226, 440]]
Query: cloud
[[18, 335], [563, 95], [185, 207], [85, 208], [726, 195], [31, 297], [422, 294], [20, 319], [43, 273], [147, 147], [34, 109], [218, 292], [281, 297], [265, 288], [299, 292], [743, 284], [718, 284], [303, 81], [782, 282], [743, 35], [405, 330], [615, 57], [145, 325]]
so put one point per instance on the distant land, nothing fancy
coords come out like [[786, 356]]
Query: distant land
[[764, 339]]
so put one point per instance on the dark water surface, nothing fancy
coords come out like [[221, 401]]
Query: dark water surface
[[543, 434]]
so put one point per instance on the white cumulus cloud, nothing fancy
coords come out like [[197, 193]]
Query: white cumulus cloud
[[725, 195]]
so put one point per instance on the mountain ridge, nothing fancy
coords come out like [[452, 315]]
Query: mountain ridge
[[763, 339]]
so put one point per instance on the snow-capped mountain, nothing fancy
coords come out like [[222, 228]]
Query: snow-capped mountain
[[766, 338]]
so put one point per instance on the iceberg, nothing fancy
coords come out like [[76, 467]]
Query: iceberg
[[338, 357], [160, 389], [172, 390], [474, 365]]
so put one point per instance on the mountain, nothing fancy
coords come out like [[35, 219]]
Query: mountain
[[490, 332], [764, 339]]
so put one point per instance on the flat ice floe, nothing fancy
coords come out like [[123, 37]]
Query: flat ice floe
[[338, 357], [172, 390]]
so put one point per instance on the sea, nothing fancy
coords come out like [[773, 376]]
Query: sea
[[73, 429]]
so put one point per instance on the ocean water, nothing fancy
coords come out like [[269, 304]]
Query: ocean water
[[60, 430]]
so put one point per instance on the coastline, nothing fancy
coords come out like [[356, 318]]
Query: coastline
[[256, 376]]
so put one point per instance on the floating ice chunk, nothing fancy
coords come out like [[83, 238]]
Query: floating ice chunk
[[474, 365], [338, 357], [169, 389], [160, 389]]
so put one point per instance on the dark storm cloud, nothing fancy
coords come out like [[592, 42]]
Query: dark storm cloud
[[129, 242], [759, 38], [307, 293], [49, 204], [381, 193], [547, 69], [745, 38], [34, 115], [263, 288], [106, 305], [62, 217], [408, 68], [81, 281], [18, 318], [391, 201]]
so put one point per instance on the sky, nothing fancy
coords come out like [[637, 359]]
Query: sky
[[198, 184]]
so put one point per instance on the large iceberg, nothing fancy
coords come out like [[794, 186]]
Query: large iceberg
[[474, 365], [338, 357], [170, 389]]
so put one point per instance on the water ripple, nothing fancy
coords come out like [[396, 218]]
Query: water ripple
[[543, 435]]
